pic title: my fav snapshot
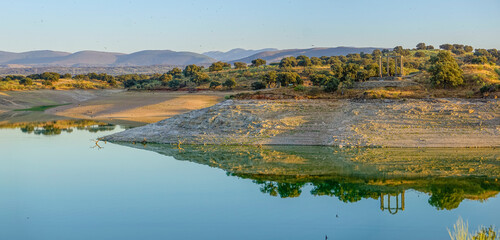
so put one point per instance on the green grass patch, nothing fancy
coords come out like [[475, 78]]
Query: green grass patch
[[41, 108]]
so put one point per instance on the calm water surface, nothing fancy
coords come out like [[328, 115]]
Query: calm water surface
[[57, 184]]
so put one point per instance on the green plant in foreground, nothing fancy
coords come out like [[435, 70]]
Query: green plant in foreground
[[461, 232]]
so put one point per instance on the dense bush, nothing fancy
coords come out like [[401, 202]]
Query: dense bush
[[26, 81], [258, 62], [174, 84], [332, 85], [490, 88], [258, 85], [218, 66], [420, 54], [214, 84], [190, 70], [175, 73], [230, 83], [200, 77], [445, 70], [240, 65], [286, 78]]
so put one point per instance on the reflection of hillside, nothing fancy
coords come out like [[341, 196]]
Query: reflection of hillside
[[448, 175], [58, 126]]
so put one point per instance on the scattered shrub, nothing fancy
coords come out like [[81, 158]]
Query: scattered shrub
[[174, 84], [258, 85], [445, 70], [214, 84], [299, 88], [26, 81], [332, 85], [230, 83]]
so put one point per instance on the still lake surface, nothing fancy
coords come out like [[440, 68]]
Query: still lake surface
[[56, 183]]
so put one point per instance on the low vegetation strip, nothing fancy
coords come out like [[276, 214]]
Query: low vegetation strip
[[41, 108], [456, 71], [342, 123]]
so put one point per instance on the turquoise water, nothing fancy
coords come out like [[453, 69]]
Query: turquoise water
[[62, 186]]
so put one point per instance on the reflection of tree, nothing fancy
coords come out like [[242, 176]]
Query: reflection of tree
[[345, 192], [283, 170], [59, 126], [98, 128], [28, 129], [446, 197], [49, 130], [284, 190]]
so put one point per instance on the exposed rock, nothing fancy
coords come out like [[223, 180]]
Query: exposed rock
[[347, 123]]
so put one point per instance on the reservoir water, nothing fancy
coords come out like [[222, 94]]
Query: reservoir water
[[57, 182]]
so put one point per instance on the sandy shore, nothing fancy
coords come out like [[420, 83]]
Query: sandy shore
[[343, 123], [116, 106], [144, 107]]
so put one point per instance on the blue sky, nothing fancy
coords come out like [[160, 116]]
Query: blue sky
[[198, 26]]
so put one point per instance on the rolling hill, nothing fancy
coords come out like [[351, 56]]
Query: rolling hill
[[48, 58], [32, 56], [276, 56], [234, 54], [162, 57]]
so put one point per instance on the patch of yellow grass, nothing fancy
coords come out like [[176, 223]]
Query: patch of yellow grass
[[485, 73], [395, 93]]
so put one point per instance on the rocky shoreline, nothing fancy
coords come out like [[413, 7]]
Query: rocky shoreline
[[342, 123]]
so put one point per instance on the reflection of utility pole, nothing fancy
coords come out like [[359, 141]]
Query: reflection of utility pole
[[389, 208]]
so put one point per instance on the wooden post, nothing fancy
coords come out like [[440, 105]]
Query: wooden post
[[395, 66], [388, 70], [401, 66], [380, 66]]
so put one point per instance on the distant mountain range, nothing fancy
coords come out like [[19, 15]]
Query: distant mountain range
[[47, 58], [235, 54], [101, 59], [276, 56]]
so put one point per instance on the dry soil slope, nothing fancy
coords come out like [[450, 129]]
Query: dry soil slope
[[400, 123]]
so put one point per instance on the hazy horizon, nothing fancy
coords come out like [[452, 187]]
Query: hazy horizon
[[278, 49], [199, 26]]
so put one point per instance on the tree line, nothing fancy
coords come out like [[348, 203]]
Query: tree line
[[328, 72]]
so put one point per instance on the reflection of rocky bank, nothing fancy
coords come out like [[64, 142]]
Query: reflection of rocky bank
[[392, 123], [448, 175]]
